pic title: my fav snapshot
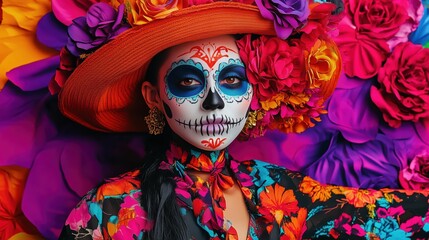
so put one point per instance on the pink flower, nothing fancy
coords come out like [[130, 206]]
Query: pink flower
[[403, 94], [416, 175], [371, 29], [78, 217], [362, 55], [379, 19]]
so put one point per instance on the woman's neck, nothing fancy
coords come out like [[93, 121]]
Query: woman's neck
[[197, 160]]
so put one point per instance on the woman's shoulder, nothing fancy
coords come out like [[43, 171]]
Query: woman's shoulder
[[118, 187], [112, 209]]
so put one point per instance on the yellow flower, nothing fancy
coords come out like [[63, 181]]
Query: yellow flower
[[18, 44], [144, 11], [274, 102], [323, 63]]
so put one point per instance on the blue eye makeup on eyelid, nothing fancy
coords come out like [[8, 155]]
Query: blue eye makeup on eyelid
[[185, 81], [232, 80]]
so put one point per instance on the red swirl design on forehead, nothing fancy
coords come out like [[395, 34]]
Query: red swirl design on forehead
[[207, 54]]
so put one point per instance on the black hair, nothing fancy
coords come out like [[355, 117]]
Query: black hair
[[158, 185]]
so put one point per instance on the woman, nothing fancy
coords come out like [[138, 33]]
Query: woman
[[203, 81]]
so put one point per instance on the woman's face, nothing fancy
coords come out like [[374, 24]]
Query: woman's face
[[205, 93]]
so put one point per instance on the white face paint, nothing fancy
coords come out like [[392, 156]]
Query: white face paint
[[205, 92]]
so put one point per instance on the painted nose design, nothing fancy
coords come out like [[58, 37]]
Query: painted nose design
[[213, 101]]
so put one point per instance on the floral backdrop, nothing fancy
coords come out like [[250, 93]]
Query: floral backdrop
[[375, 133]]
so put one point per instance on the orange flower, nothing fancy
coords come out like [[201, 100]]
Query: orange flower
[[294, 229], [323, 63], [119, 185], [277, 202], [12, 220], [360, 198], [316, 190], [143, 11]]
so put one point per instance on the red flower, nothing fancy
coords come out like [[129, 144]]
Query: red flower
[[404, 85], [68, 63], [318, 22], [272, 65]]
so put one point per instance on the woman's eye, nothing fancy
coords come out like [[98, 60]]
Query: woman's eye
[[230, 80], [189, 82]]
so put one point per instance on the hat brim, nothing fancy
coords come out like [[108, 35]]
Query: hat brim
[[104, 92]]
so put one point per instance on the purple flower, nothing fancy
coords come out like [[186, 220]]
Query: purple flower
[[286, 14], [101, 24]]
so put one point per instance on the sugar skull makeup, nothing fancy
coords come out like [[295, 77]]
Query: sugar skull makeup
[[205, 92]]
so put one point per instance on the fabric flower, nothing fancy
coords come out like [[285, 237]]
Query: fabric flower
[[272, 65], [12, 220], [362, 55], [141, 12], [380, 19], [67, 10], [361, 197], [323, 63], [277, 202], [78, 217], [403, 94], [18, 21], [416, 175], [317, 191], [101, 24], [319, 21], [385, 228], [68, 63], [287, 15]]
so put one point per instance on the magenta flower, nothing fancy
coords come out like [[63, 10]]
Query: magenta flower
[[416, 175], [101, 24], [286, 14]]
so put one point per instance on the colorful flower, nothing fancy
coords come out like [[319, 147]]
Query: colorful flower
[[272, 65], [18, 21], [295, 227], [385, 228], [323, 63], [403, 94], [371, 29], [317, 191], [141, 12], [416, 175], [119, 185], [287, 15], [78, 217], [132, 218], [360, 197], [101, 24], [12, 220], [277, 202], [344, 224]]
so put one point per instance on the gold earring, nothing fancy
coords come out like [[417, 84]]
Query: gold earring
[[155, 121]]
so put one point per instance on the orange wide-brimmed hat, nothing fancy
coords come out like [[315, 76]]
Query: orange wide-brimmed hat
[[104, 91]]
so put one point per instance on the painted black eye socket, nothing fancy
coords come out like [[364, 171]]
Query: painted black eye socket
[[232, 80], [185, 81]]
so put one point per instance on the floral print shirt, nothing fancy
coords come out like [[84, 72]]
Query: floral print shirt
[[282, 204]]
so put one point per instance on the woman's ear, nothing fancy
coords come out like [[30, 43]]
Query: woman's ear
[[151, 96]]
